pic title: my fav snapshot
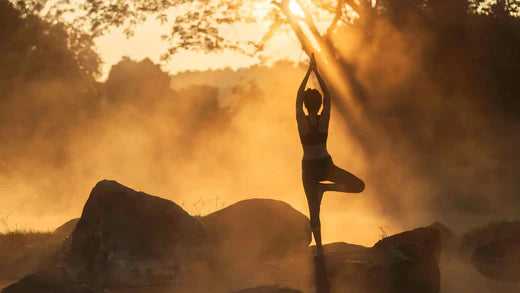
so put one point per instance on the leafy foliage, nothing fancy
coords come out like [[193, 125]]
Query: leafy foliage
[[46, 68], [203, 25]]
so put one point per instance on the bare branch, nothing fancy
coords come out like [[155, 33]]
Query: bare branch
[[337, 16]]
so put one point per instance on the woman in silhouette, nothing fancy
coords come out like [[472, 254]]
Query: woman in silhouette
[[317, 165]]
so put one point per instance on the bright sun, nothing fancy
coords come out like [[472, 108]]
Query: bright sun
[[295, 8]]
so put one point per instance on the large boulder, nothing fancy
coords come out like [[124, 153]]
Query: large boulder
[[499, 260], [412, 260], [258, 227], [421, 243], [256, 239], [405, 262], [475, 238], [130, 238]]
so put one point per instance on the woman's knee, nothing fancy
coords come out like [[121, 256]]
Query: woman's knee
[[360, 186]]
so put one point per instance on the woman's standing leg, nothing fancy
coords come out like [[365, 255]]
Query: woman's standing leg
[[314, 196]]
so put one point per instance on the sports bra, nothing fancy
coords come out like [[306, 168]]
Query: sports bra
[[314, 136]]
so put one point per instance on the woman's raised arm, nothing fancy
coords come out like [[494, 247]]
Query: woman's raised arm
[[325, 113], [325, 90], [299, 97]]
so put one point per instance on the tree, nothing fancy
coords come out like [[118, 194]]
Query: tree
[[498, 8], [47, 81], [201, 25], [420, 70]]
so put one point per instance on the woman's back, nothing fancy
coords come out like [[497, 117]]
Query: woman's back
[[314, 140]]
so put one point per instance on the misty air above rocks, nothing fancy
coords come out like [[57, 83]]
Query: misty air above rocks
[[439, 142]]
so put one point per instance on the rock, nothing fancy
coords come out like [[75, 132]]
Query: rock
[[421, 243], [475, 238], [412, 260], [268, 289], [252, 236], [67, 228], [449, 240], [499, 260], [129, 238], [405, 262], [341, 248], [47, 281], [262, 228]]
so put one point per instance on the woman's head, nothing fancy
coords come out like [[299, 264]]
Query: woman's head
[[312, 100]]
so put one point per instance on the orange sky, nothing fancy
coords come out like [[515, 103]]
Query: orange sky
[[147, 43]]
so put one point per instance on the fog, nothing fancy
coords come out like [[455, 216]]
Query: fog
[[208, 139], [437, 141]]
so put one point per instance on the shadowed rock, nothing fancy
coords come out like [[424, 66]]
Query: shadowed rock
[[449, 241], [412, 260], [126, 237], [67, 228], [258, 228], [132, 242], [421, 243], [499, 260], [405, 262], [473, 239], [252, 237], [268, 289]]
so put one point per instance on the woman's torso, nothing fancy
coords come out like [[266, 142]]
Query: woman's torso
[[314, 142]]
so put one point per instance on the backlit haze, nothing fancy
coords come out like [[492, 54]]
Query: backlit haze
[[264, 163], [147, 43], [207, 130]]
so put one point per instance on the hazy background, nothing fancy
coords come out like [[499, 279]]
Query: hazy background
[[441, 100]]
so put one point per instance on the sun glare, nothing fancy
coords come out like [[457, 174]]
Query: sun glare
[[260, 9], [295, 8]]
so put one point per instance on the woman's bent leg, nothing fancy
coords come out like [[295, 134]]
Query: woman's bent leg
[[343, 181]]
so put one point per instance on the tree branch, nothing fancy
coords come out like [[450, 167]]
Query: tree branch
[[354, 6], [337, 16]]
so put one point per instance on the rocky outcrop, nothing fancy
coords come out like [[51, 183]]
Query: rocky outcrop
[[405, 262], [412, 260], [473, 239], [499, 260], [129, 238], [262, 228], [67, 228], [132, 242], [250, 235]]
